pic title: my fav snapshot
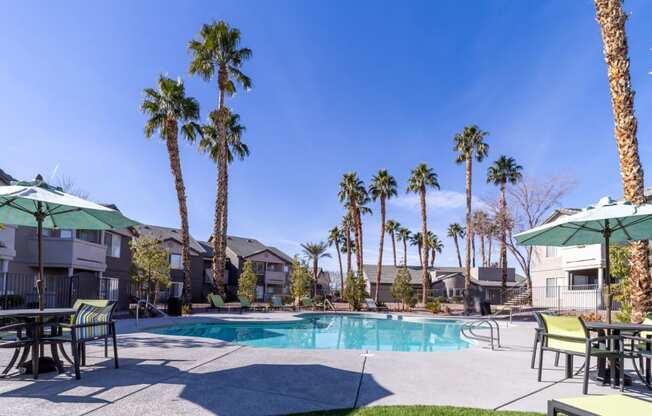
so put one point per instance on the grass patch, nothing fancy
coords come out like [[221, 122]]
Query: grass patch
[[417, 411]]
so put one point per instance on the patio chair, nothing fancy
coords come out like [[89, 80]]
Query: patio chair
[[91, 323], [608, 405], [277, 303], [14, 336], [537, 338], [372, 306], [568, 335], [216, 302], [639, 349], [245, 304]]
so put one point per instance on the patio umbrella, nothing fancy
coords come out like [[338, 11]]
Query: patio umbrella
[[37, 204], [606, 222]]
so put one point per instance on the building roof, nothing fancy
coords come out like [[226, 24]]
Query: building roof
[[388, 273], [243, 246], [5, 178], [166, 233], [280, 254]]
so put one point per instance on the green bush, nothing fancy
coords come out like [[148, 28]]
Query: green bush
[[355, 291], [402, 289], [434, 306], [457, 299]]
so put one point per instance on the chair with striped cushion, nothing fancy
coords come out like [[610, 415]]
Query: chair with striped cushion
[[91, 323]]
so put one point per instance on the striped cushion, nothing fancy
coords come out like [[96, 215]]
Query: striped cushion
[[89, 314]]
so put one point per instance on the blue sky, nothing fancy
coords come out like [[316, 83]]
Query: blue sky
[[338, 86]]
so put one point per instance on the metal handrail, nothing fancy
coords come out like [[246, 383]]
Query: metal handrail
[[147, 303], [329, 304], [469, 327]]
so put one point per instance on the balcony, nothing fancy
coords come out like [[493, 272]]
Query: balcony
[[75, 253], [275, 278]]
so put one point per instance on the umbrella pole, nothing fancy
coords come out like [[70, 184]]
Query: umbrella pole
[[607, 234], [39, 238]]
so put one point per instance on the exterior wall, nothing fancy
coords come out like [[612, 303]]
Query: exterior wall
[[7, 242], [385, 294], [119, 268]]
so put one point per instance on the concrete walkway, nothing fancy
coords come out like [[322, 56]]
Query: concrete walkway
[[196, 376]]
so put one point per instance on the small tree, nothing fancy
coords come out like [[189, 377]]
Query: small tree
[[151, 266], [619, 267], [355, 291], [402, 289], [247, 282], [300, 279]]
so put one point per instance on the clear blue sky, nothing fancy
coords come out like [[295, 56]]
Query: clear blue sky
[[338, 86]]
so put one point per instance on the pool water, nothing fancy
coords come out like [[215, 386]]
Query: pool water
[[329, 331]]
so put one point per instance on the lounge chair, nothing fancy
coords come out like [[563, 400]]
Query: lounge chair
[[217, 302], [91, 323], [568, 335], [373, 307], [308, 303], [277, 303], [245, 304], [609, 405]]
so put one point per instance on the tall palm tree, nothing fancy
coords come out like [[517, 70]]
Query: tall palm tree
[[422, 178], [166, 107], [469, 145], [382, 188], [347, 225], [503, 171], [492, 232], [354, 195], [217, 53], [315, 251], [210, 141], [336, 238], [391, 227], [480, 220], [611, 17], [416, 239], [404, 236], [456, 231], [436, 247]]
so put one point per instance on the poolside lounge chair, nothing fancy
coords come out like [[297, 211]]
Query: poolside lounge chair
[[91, 323], [609, 405], [246, 305], [217, 302], [277, 303], [568, 335], [373, 307]]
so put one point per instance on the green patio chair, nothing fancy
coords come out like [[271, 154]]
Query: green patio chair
[[609, 405], [245, 304], [276, 303], [537, 338], [216, 302], [568, 335]]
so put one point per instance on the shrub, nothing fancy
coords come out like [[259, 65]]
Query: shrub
[[457, 299], [247, 282], [355, 291], [186, 309], [402, 289], [446, 310], [300, 280], [434, 306]]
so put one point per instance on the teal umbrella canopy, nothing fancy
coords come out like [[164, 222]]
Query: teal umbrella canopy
[[21, 203], [620, 221]]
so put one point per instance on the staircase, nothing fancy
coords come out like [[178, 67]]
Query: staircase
[[515, 299]]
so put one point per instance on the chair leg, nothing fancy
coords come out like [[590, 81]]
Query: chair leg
[[115, 347], [556, 359], [65, 354], [534, 350], [540, 360], [587, 366], [612, 372], [11, 362], [75, 355], [106, 347], [35, 357], [83, 354], [23, 357], [55, 357], [622, 372]]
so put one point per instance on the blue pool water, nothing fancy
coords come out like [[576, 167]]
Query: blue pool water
[[328, 331]]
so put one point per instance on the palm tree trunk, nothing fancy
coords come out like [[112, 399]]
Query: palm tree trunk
[[469, 231], [482, 256], [503, 236], [612, 20], [221, 220], [489, 249], [457, 250], [315, 271], [172, 143], [348, 249], [339, 261], [404, 252], [434, 256], [420, 256], [394, 247], [380, 246], [473, 250], [360, 255], [425, 281]]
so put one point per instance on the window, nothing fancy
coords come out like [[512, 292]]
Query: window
[[65, 234], [551, 287], [46, 232], [175, 262], [113, 244], [259, 267], [583, 279], [551, 251], [92, 236], [109, 288], [274, 267]]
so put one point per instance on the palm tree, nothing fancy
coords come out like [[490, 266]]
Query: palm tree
[[436, 246], [469, 145], [503, 171], [210, 142], [315, 251], [391, 227], [480, 220], [416, 239], [456, 231], [347, 224], [404, 235], [612, 20], [354, 195], [336, 238], [166, 107], [422, 178], [218, 53], [382, 187]]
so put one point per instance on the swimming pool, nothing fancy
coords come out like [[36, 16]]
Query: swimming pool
[[334, 331]]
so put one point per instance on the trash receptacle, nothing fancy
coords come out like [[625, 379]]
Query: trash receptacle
[[485, 308], [174, 306]]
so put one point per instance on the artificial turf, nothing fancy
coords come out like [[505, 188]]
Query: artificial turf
[[417, 411]]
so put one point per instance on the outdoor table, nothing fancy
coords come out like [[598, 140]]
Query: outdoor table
[[36, 316], [616, 328]]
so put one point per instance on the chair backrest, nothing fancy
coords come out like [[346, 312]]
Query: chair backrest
[[307, 302], [89, 314], [216, 300], [244, 301], [276, 301], [371, 304], [94, 302], [565, 332]]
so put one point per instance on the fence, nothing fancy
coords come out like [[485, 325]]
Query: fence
[[19, 291], [568, 298]]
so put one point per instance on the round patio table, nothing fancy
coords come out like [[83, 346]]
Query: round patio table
[[616, 328], [36, 318]]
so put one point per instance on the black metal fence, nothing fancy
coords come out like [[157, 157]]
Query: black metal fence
[[19, 291]]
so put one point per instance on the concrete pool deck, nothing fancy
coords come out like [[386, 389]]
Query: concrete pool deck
[[197, 376]]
